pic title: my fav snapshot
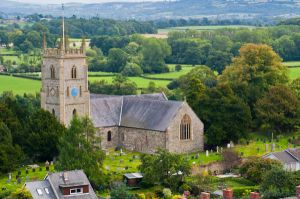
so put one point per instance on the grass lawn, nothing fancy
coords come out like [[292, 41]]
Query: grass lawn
[[292, 63], [7, 51], [19, 85], [13, 185], [294, 73]]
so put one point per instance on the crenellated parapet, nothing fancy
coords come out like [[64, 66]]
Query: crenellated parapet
[[70, 52]]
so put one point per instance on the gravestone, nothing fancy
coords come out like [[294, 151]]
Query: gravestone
[[207, 153], [217, 149], [266, 147], [228, 146], [231, 144], [273, 147], [9, 176]]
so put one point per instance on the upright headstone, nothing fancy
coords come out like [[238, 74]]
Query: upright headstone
[[9, 176], [217, 149], [231, 144], [273, 147], [228, 146], [207, 153], [221, 149], [266, 147]]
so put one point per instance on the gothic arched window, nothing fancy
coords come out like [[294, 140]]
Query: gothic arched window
[[74, 112], [74, 72], [109, 136], [52, 72], [185, 128]]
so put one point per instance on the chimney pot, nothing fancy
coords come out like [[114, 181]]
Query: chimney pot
[[205, 195], [227, 193], [298, 192], [254, 195]]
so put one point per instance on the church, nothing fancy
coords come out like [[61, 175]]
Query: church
[[141, 123]]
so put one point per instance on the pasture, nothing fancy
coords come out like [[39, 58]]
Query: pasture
[[19, 85], [294, 73]]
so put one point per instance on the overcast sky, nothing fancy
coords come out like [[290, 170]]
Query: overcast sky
[[78, 1]]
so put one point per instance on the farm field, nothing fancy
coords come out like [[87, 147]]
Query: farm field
[[294, 73], [19, 85], [292, 63], [166, 30]]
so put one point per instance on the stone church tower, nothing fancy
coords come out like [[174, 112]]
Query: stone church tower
[[64, 90]]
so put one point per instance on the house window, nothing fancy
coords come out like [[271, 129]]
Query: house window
[[74, 72], [109, 136], [185, 128], [52, 72], [76, 191]]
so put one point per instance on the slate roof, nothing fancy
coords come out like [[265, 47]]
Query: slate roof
[[150, 111], [287, 156], [75, 178], [42, 185], [54, 181]]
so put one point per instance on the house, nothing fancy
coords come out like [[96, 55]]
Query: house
[[132, 179], [68, 184], [289, 158]]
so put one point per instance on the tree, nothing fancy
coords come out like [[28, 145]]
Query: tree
[[4, 39], [279, 109], [295, 87], [251, 73], [277, 183], [80, 139], [21, 193], [217, 60], [232, 120], [43, 134], [116, 60], [254, 169], [154, 53], [164, 168], [132, 69], [121, 191]]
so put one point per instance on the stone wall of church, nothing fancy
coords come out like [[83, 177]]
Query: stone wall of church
[[141, 140], [196, 143], [103, 133]]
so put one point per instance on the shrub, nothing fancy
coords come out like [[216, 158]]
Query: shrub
[[140, 196], [178, 67], [177, 197], [132, 69], [167, 193], [255, 168]]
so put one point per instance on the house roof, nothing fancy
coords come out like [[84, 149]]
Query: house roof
[[74, 178], [43, 187], [286, 156], [150, 111]]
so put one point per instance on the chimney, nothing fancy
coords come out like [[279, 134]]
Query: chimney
[[205, 195], [227, 193], [254, 195], [298, 192], [65, 177]]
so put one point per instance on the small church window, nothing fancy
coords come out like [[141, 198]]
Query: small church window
[[109, 136], [74, 72], [185, 128], [52, 72], [80, 91], [68, 91], [74, 112], [53, 112]]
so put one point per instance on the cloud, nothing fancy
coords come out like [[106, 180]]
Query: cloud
[[77, 1]]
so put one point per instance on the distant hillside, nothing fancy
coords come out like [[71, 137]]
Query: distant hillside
[[215, 9]]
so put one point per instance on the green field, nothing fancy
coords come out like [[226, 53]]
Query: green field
[[292, 63], [19, 85], [166, 30], [294, 73]]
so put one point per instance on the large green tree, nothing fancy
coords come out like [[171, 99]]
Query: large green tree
[[278, 109], [80, 149]]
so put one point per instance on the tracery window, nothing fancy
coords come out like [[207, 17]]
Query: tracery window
[[109, 136], [185, 128], [52, 72]]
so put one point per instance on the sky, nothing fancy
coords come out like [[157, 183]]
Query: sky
[[77, 1]]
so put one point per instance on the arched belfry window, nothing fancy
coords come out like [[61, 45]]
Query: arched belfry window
[[52, 72], [109, 136], [74, 112], [74, 72], [185, 128]]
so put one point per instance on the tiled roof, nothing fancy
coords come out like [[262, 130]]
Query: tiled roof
[[44, 188]]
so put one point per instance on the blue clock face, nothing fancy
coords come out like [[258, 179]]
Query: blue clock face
[[74, 92]]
